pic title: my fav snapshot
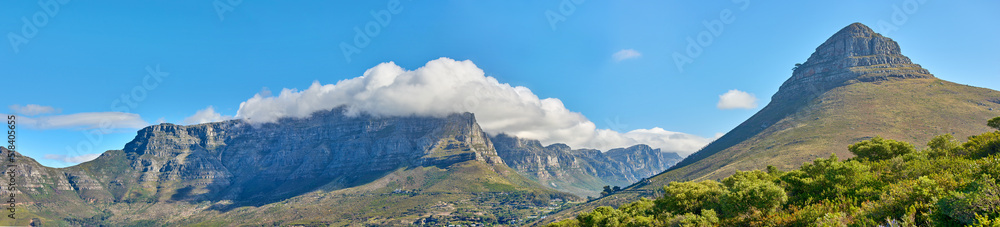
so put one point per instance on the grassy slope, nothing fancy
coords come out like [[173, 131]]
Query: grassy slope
[[469, 188], [464, 188], [574, 182], [911, 110]]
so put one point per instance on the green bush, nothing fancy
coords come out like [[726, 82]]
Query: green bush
[[889, 184], [880, 149], [983, 145], [707, 218], [980, 198], [690, 197], [829, 179], [752, 191], [943, 145]]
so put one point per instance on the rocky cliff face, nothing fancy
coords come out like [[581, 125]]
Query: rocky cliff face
[[855, 53], [237, 161], [247, 164], [641, 161], [581, 171]]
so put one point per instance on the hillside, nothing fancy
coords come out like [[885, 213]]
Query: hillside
[[329, 168], [887, 183], [856, 85]]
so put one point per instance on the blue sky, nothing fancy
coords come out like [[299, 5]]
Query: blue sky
[[87, 54]]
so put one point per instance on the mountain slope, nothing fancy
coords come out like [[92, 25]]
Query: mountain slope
[[374, 170], [855, 86], [583, 172]]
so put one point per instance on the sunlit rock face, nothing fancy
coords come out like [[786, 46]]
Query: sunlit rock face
[[259, 163], [558, 165], [854, 54]]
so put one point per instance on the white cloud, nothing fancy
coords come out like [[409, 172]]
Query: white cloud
[[72, 159], [736, 99], [626, 54], [84, 121], [446, 86], [205, 116], [667, 140], [31, 109]]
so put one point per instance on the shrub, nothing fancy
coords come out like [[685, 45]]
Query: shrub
[[943, 145], [981, 198], [752, 191], [707, 218], [830, 179], [983, 145], [880, 149], [690, 197]]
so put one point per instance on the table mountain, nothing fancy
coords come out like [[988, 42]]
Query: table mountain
[[582, 172], [329, 168], [856, 85]]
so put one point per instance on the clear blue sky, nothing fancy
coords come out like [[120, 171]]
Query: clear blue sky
[[89, 53]]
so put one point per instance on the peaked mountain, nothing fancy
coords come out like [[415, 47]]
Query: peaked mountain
[[583, 172], [856, 85], [329, 168]]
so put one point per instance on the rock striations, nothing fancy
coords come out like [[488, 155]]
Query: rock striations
[[855, 53], [256, 164], [217, 167]]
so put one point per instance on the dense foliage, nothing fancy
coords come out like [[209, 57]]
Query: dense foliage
[[888, 183]]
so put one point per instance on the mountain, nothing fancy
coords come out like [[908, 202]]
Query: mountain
[[856, 85], [329, 168], [583, 172]]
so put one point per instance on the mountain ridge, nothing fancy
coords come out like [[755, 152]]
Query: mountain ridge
[[583, 172], [855, 86], [219, 172]]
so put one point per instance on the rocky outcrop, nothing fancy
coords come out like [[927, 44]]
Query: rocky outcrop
[[855, 86], [581, 171], [640, 161], [853, 54]]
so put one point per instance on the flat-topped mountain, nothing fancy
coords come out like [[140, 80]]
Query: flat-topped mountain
[[855, 86], [375, 170]]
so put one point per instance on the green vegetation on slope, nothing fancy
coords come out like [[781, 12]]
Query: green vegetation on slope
[[469, 192], [793, 132], [888, 183]]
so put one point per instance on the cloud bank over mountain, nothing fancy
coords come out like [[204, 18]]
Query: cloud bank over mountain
[[446, 86]]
